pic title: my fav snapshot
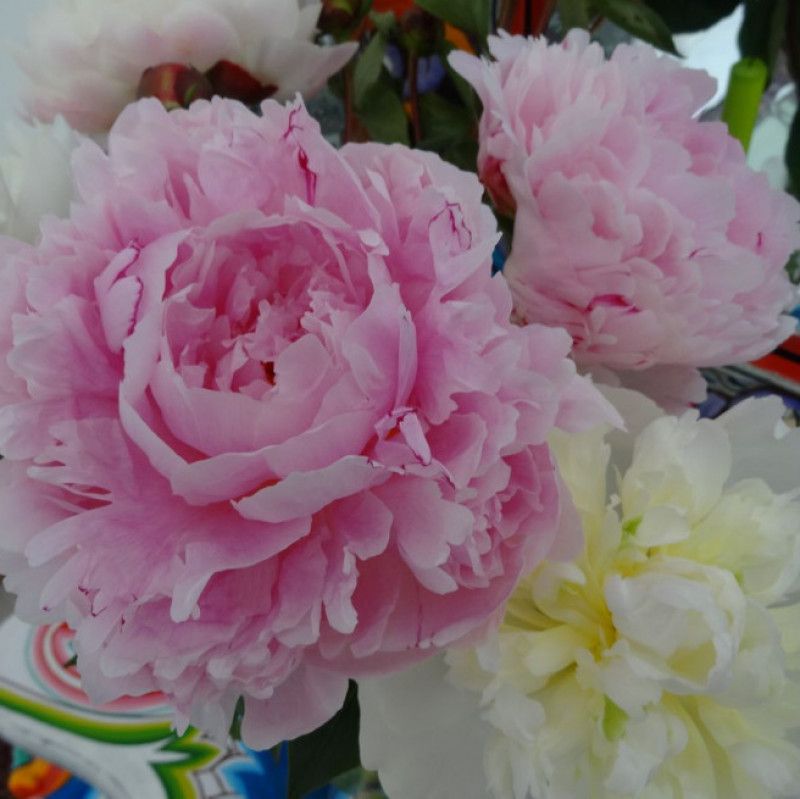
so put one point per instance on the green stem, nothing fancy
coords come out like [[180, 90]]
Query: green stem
[[238, 716], [413, 88]]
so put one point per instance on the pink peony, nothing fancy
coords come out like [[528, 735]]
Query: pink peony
[[85, 58], [266, 421], [639, 229]]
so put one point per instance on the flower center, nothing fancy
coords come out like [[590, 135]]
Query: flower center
[[234, 309]]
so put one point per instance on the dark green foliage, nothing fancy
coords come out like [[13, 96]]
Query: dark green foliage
[[472, 16], [638, 19], [793, 156], [684, 16], [327, 753], [764, 29]]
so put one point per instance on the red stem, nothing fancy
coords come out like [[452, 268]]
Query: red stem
[[531, 18], [508, 10], [541, 12], [596, 23], [349, 109]]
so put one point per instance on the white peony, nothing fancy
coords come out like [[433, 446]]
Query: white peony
[[85, 58], [35, 176], [663, 663]]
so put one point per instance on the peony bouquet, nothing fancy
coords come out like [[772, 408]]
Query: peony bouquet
[[368, 416]]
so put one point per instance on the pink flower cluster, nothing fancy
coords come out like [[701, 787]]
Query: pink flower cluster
[[639, 229], [266, 421]]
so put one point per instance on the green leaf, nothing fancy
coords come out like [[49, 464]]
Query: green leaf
[[449, 130], [793, 156], [793, 268], [464, 90], [321, 756], [574, 14], [382, 112], [384, 21], [443, 120], [685, 16], [463, 154], [472, 16], [368, 67], [615, 720], [350, 781], [763, 29], [640, 20], [343, 18], [238, 717]]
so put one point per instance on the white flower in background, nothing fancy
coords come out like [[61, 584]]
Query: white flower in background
[[35, 176], [663, 663], [85, 58]]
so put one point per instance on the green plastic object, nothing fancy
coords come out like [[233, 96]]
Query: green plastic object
[[746, 88]]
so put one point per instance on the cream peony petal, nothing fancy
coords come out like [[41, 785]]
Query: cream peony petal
[[642, 751], [684, 620], [661, 525], [422, 735], [762, 444], [680, 462], [755, 535], [35, 177]]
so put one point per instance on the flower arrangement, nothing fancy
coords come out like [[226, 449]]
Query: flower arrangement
[[279, 441]]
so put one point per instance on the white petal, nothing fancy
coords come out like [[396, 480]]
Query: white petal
[[682, 462], [35, 177], [643, 750], [684, 619], [762, 445], [662, 525], [423, 735]]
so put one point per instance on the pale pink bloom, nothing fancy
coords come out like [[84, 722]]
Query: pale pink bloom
[[639, 229], [266, 421], [85, 58]]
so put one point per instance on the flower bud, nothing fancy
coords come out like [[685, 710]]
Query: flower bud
[[230, 80], [176, 85], [493, 179]]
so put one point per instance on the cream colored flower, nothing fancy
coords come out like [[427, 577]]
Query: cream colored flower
[[664, 661], [85, 57]]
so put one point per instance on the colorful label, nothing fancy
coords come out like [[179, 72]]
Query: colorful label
[[124, 750]]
